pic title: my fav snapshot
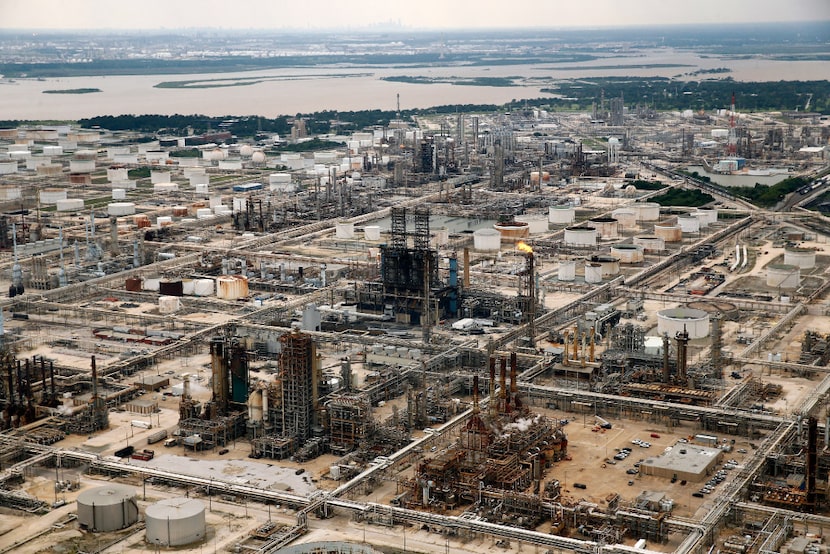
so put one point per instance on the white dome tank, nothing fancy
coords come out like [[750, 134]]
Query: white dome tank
[[371, 232], [648, 211], [486, 240], [804, 258], [650, 244], [593, 272], [107, 508], [581, 236], [258, 157], [537, 223], [669, 232], [175, 522], [561, 215], [567, 270], [246, 150], [674, 320], [344, 230], [628, 253], [783, 276], [626, 217], [689, 223]]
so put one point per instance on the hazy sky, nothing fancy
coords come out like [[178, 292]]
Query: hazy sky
[[312, 14]]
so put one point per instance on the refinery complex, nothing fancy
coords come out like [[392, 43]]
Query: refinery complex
[[465, 333]]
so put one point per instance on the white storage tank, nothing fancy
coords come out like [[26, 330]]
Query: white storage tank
[[163, 220], [648, 211], [669, 232], [203, 287], [151, 283], [536, 223], [707, 216], [175, 522], [7, 168], [231, 287], [51, 196], [607, 227], [119, 194], [610, 265], [169, 304], [783, 276], [201, 189], [567, 270], [626, 217], [581, 236], [165, 188], [688, 223], [651, 244], [371, 232], [157, 177], [52, 150], [561, 215], [107, 508], [593, 272], [804, 258], [81, 166], [204, 213], [69, 205], [188, 286], [486, 240], [116, 209], [674, 320], [344, 230], [628, 253]]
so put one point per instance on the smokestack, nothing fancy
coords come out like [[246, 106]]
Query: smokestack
[[812, 462], [186, 386], [682, 346], [475, 394], [514, 386], [665, 358], [466, 268], [502, 385], [492, 405], [94, 380]]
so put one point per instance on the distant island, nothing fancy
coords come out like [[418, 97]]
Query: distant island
[[72, 91]]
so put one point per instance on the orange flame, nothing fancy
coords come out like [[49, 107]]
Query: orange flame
[[524, 247]]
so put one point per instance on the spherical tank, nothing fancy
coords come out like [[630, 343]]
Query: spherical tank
[[512, 230], [648, 211], [344, 230], [107, 508], [561, 215], [607, 227], [669, 233], [231, 287], [628, 253], [674, 320], [567, 270], [650, 244], [804, 258], [593, 272], [537, 223], [580, 236], [258, 157], [246, 151], [486, 239], [626, 217], [783, 276], [689, 223], [371, 232], [175, 522]]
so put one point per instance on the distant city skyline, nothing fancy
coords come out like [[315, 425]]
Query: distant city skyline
[[423, 14]]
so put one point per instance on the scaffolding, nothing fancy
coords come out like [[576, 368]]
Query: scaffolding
[[350, 422], [298, 375]]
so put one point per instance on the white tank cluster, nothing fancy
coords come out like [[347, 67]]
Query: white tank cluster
[[561, 215], [581, 236], [486, 240], [107, 508], [804, 258], [175, 522], [675, 320], [783, 276]]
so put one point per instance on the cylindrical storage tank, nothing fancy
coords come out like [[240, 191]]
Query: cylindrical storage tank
[[628, 253], [107, 508], [674, 320], [159, 177], [169, 304], [171, 287], [688, 223], [51, 196], [567, 270], [52, 150], [48, 169], [561, 215], [204, 213], [580, 236], [231, 287], [344, 230], [593, 272], [188, 286], [151, 283], [610, 265], [626, 217], [133, 284], [116, 209], [164, 188], [69, 205], [203, 287], [669, 233], [175, 521], [119, 194], [81, 166], [512, 230], [707, 216], [85, 155], [536, 223], [783, 276], [115, 174], [650, 244], [607, 227], [141, 221], [180, 211], [163, 220], [486, 240], [804, 258], [371, 232], [648, 211], [442, 235], [8, 167]]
